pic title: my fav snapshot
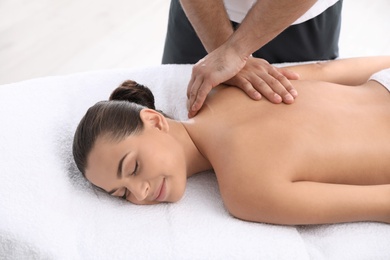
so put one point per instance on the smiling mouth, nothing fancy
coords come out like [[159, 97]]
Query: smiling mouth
[[161, 191]]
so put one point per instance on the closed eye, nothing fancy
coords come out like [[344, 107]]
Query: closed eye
[[133, 173], [135, 168]]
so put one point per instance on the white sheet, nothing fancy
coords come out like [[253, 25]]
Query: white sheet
[[47, 212]]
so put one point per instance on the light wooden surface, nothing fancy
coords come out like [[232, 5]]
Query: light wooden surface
[[53, 37]]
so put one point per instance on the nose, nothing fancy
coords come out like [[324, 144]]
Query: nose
[[139, 189]]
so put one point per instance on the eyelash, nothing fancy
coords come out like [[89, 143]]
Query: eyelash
[[135, 168], [133, 173]]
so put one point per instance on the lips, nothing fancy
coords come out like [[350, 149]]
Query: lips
[[161, 192]]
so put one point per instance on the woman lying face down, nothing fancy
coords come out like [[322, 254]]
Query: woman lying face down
[[323, 159]]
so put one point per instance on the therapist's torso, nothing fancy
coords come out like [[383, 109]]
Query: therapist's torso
[[237, 9]]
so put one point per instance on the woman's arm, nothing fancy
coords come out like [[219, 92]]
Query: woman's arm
[[351, 71], [308, 203]]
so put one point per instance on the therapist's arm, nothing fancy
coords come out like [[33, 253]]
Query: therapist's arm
[[265, 20], [209, 20], [212, 25]]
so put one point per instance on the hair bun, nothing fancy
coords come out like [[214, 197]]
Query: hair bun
[[134, 92]]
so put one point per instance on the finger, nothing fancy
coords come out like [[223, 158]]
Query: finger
[[265, 89], [246, 86], [281, 85], [189, 86], [200, 96], [193, 91], [287, 75], [188, 104], [195, 103], [191, 113]]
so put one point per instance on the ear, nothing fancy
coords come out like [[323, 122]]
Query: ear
[[154, 119]]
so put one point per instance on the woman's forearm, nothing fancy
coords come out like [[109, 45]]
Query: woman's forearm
[[210, 21], [350, 71]]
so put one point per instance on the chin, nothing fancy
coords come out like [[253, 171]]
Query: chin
[[174, 197], [175, 200], [178, 195]]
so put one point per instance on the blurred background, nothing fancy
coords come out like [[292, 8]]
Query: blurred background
[[54, 37]]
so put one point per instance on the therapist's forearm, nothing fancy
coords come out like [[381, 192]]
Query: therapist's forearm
[[265, 20], [210, 21]]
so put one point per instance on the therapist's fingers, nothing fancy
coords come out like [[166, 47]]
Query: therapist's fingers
[[291, 75], [280, 85], [245, 85], [198, 92], [259, 78], [215, 68], [189, 87], [262, 84], [284, 76]]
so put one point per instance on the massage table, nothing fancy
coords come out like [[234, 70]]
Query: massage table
[[48, 211]]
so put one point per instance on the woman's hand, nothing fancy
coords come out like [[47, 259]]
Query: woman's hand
[[254, 76]]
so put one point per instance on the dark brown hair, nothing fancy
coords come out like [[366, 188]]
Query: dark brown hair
[[117, 118]]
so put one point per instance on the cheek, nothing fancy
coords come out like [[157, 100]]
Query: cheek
[[178, 186], [168, 153], [161, 163]]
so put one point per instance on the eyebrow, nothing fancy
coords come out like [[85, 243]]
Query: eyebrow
[[119, 172]]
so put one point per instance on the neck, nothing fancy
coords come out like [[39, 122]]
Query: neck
[[195, 160]]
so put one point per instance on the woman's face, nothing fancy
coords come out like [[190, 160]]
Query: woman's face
[[144, 168]]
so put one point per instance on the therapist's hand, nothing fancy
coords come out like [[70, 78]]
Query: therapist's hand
[[218, 66], [257, 78]]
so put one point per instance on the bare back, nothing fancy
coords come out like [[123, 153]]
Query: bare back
[[331, 134]]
